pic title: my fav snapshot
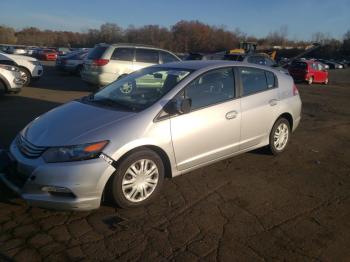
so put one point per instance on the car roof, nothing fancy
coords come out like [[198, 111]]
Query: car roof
[[208, 64]]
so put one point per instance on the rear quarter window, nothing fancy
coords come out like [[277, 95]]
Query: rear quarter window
[[97, 52]]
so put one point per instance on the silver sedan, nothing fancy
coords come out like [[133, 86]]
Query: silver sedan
[[160, 121]]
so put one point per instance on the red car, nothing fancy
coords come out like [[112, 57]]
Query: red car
[[309, 71], [48, 54]]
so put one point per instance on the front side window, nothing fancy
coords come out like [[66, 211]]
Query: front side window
[[211, 88], [320, 67], [123, 54], [140, 89], [255, 80], [147, 56]]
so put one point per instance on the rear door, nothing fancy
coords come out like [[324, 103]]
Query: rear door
[[211, 130], [145, 57], [259, 105]]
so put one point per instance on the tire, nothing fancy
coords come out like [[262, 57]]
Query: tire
[[25, 74], [79, 70], [310, 80], [2, 88], [131, 194], [281, 125]]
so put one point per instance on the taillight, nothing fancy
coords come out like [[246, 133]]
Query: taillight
[[295, 90], [100, 62]]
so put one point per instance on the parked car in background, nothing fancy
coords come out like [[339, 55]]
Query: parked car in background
[[309, 70], [29, 67], [72, 63], [62, 51], [258, 59], [10, 78], [331, 64], [47, 55], [123, 140], [17, 50], [106, 63]]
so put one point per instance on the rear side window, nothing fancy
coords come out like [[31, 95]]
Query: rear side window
[[147, 56], [97, 52], [167, 57], [123, 54], [256, 80]]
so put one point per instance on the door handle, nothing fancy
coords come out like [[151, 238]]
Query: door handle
[[273, 102], [231, 115]]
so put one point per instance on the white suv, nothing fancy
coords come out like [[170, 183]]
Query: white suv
[[29, 67], [10, 79], [106, 63]]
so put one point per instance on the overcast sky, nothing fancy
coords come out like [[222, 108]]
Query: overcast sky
[[254, 17]]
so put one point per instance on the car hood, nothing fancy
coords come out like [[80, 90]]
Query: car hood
[[17, 57], [70, 124]]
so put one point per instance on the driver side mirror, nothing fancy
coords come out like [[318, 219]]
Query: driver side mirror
[[177, 106]]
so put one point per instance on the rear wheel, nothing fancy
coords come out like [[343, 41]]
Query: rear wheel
[[25, 75], [138, 179], [310, 80], [2, 88], [279, 136]]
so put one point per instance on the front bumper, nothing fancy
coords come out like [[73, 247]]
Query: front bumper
[[85, 180], [37, 72]]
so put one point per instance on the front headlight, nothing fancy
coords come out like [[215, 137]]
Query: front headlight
[[74, 153], [10, 68]]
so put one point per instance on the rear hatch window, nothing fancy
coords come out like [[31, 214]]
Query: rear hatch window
[[299, 65], [97, 52]]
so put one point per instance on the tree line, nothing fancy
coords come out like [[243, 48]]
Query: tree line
[[184, 36]]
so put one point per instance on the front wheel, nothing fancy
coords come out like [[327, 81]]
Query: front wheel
[[279, 136], [138, 179], [25, 75]]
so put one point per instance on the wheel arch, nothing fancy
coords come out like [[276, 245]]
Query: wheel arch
[[5, 82], [162, 154], [287, 116], [27, 69]]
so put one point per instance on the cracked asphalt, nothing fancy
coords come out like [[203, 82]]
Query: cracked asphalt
[[253, 207]]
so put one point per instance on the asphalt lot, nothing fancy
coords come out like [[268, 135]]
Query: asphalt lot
[[254, 207]]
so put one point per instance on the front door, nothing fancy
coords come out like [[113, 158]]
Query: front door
[[211, 130]]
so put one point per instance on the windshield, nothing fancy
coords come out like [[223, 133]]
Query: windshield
[[140, 89]]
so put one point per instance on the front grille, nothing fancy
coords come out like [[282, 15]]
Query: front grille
[[28, 149]]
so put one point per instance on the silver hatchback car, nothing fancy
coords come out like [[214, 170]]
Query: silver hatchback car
[[163, 120]]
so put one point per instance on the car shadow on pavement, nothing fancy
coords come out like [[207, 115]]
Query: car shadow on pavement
[[55, 80]]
